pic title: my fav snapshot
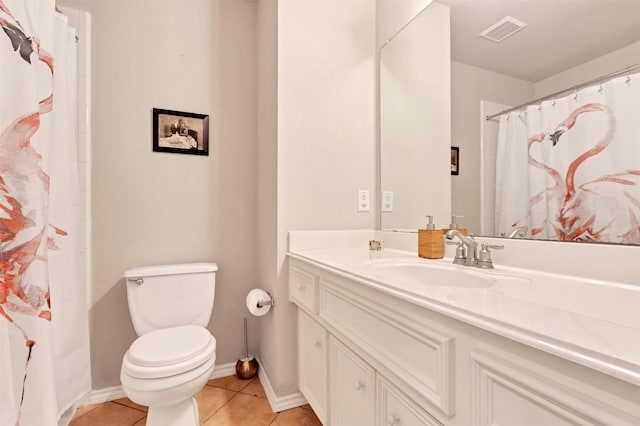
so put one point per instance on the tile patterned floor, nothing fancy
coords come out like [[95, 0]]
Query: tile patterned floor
[[228, 401]]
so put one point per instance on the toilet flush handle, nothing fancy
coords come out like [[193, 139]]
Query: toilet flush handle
[[138, 281]]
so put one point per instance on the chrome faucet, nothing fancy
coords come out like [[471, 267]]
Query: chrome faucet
[[471, 246], [519, 232]]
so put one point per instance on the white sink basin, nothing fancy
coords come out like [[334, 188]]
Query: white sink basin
[[429, 274], [614, 302]]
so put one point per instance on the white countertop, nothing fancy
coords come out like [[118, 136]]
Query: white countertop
[[592, 322]]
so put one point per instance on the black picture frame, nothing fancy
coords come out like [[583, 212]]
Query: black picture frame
[[455, 160], [180, 132]]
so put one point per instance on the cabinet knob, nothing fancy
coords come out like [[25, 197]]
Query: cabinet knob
[[359, 385], [300, 287], [317, 343], [392, 420]]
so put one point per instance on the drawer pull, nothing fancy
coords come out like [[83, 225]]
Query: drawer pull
[[359, 385], [392, 420], [300, 287], [317, 343]]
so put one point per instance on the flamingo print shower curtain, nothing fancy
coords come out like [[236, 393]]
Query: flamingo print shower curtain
[[569, 168], [44, 356]]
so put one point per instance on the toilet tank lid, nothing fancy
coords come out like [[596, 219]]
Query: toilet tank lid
[[182, 268]]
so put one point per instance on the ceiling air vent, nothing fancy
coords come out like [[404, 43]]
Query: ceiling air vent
[[504, 28]]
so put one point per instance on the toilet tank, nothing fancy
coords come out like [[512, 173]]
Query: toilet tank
[[166, 296]]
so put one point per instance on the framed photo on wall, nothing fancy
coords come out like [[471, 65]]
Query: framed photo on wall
[[180, 132], [455, 160]]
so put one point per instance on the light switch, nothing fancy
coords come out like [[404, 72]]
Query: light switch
[[364, 204], [387, 201]]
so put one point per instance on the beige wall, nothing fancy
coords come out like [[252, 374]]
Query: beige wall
[[326, 144], [392, 15], [614, 61], [267, 185], [151, 208]]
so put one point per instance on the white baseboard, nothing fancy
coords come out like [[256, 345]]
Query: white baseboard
[[98, 396], [279, 403], [107, 394], [223, 370]]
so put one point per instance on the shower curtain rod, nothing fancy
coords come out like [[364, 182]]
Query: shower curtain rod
[[600, 80]]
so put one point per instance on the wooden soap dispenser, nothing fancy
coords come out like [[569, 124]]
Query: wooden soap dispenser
[[430, 241]]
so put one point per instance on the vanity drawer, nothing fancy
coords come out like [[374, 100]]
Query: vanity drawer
[[302, 289], [419, 356], [396, 409]]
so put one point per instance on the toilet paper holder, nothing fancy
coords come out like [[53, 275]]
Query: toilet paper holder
[[262, 303], [259, 302]]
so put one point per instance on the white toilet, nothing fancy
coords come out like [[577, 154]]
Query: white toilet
[[171, 361]]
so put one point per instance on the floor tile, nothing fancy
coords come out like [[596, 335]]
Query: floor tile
[[130, 403], [297, 417], [227, 401], [84, 410], [232, 383], [255, 388], [141, 422], [109, 414], [245, 410], [210, 399]]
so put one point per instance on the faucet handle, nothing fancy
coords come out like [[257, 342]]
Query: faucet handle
[[461, 252], [484, 256]]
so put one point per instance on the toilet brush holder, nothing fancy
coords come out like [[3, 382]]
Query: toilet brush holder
[[246, 366]]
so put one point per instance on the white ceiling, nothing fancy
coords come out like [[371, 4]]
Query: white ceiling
[[560, 33]]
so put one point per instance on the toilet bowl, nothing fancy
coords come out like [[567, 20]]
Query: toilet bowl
[[163, 369], [167, 365]]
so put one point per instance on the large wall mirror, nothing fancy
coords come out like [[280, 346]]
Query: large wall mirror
[[564, 44]]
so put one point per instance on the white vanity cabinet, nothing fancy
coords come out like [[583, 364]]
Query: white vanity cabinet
[[396, 409], [312, 364], [352, 387], [369, 356]]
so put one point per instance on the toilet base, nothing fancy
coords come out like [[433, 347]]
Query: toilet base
[[184, 413]]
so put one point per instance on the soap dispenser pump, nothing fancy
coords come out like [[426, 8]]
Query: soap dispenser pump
[[430, 224], [454, 224], [430, 241]]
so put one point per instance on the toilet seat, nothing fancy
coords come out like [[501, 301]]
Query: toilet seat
[[159, 388], [169, 352]]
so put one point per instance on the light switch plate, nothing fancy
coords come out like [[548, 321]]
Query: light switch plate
[[364, 200], [387, 201]]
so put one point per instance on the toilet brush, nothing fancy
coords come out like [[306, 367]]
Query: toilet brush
[[247, 366]]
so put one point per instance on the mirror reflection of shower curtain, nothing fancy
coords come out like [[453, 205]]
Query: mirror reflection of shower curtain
[[488, 149], [44, 345], [569, 168]]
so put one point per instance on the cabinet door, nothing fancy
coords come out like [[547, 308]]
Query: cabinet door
[[509, 392], [312, 364], [397, 409], [352, 387]]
